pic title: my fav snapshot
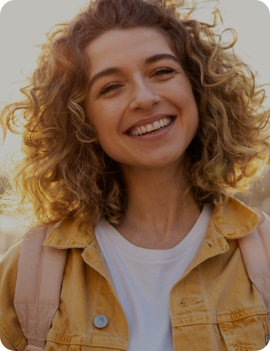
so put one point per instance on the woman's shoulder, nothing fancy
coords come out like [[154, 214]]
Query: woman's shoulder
[[11, 333]]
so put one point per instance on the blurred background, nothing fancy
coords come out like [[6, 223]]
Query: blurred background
[[23, 26]]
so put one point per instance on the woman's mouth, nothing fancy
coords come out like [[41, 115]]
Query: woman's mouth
[[151, 127]]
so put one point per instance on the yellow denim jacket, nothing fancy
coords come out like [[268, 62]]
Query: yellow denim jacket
[[213, 307]]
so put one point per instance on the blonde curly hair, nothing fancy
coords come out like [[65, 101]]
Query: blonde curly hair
[[66, 174]]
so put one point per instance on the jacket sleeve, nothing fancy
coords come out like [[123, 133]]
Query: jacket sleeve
[[11, 333]]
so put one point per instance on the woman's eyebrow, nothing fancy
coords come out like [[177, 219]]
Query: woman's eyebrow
[[105, 72], [113, 70], [157, 57]]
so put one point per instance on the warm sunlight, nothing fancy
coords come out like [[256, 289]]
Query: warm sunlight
[[134, 175], [19, 47], [24, 23]]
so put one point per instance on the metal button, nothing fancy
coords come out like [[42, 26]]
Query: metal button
[[267, 339], [100, 321]]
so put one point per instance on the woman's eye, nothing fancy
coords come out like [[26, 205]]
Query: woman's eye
[[164, 72], [109, 88]]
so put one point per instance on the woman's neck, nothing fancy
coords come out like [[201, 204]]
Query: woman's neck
[[160, 212]]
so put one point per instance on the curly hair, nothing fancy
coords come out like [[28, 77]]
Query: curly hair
[[66, 174]]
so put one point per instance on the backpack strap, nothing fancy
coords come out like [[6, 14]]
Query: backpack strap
[[255, 249], [38, 286]]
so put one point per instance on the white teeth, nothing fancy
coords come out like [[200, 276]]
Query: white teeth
[[150, 127], [144, 130], [139, 131], [156, 125]]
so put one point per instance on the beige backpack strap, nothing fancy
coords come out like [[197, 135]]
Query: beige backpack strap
[[38, 286], [255, 249]]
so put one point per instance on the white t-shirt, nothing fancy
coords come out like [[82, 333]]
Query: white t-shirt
[[143, 279]]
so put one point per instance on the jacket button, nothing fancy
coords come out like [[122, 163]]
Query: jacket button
[[100, 321]]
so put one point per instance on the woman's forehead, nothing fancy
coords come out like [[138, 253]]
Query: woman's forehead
[[123, 45]]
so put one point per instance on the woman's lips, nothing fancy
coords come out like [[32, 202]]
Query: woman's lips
[[155, 126]]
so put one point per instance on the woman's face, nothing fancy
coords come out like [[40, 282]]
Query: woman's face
[[140, 100]]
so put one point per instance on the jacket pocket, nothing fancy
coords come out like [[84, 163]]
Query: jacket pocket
[[245, 334]]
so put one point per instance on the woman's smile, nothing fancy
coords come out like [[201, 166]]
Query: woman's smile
[[151, 125], [140, 100]]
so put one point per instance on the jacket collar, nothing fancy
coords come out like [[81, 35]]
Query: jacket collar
[[235, 220], [67, 235], [229, 220]]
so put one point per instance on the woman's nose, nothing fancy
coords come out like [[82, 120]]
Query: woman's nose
[[143, 97]]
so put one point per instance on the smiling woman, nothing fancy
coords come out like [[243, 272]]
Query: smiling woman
[[143, 86], [138, 124], [224, 153]]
